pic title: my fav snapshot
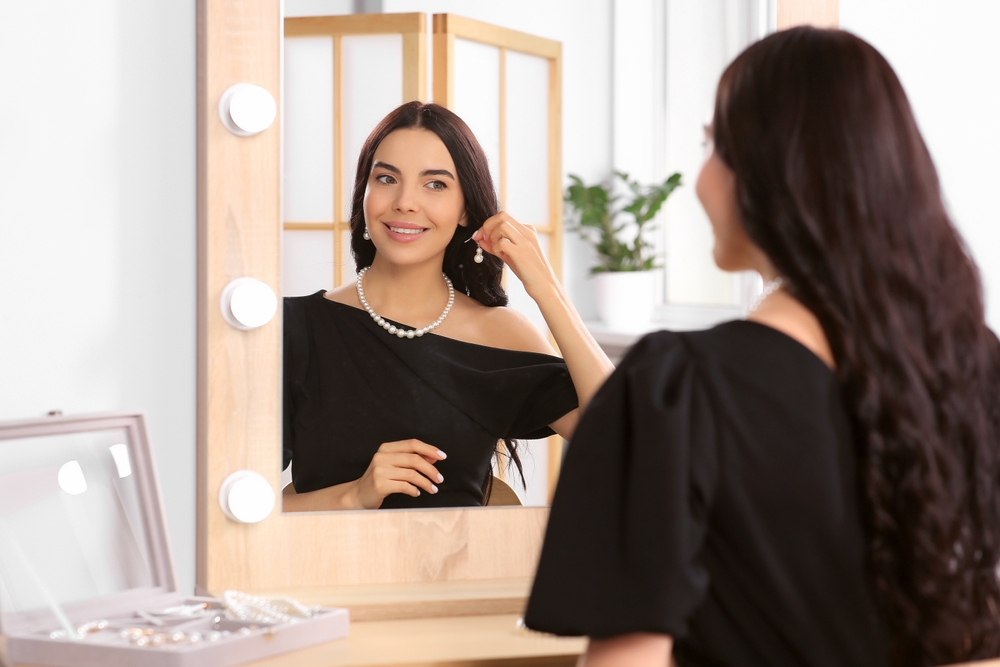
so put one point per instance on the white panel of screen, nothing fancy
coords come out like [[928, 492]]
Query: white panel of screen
[[477, 97], [307, 142], [306, 261], [372, 86], [527, 104]]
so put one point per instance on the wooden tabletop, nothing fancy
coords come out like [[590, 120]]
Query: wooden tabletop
[[456, 641]]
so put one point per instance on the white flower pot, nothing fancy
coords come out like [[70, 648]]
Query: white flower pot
[[625, 298]]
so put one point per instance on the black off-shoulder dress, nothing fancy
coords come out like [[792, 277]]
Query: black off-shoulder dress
[[350, 386], [711, 493]]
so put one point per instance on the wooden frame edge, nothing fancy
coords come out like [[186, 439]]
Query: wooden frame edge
[[494, 35], [355, 24], [820, 13]]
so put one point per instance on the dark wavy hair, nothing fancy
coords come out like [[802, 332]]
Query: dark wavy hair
[[835, 185], [481, 281]]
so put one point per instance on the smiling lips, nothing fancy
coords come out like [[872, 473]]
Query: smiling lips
[[403, 232]]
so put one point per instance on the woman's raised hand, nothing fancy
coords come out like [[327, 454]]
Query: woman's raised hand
[[517, 245], [403, 466]]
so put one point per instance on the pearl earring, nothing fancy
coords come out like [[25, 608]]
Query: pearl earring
[[366, 236], [478, 259]]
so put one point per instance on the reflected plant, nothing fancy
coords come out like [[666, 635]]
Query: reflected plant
[[606, 227]]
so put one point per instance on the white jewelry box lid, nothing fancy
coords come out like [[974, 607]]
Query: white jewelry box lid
[[45, 467], [82, 525]]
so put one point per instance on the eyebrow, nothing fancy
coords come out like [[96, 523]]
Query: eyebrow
[[425, 172]]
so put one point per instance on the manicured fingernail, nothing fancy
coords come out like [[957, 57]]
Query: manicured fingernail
[[440, 478], [434, 489], [442, 455], [418, 492]]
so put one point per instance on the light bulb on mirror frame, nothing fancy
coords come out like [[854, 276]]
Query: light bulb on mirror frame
[[247, 303], [246, 497], [246, 109]]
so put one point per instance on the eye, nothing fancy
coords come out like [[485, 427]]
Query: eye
[[437, 185], [385, 179]]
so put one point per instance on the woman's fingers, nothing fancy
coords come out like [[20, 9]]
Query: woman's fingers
[[387, 479], [416, 446], [502, 228], [392, 486], [408, 461], [517, 245]]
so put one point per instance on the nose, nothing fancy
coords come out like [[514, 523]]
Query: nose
[[406, 200]]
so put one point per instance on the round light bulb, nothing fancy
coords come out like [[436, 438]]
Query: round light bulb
[[246, 109], [246, 497], [247, 303]]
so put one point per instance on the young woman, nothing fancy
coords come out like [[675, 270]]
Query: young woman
[[818, 484], [399, 387]]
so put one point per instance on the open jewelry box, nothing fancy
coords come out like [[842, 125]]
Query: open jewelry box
[[86, 577]]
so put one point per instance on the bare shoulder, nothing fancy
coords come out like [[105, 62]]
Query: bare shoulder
[[498, 326], [345, 294]]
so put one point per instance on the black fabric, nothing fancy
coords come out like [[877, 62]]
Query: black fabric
[[710, 492], [350, 386]]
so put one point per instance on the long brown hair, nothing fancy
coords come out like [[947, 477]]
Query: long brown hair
[[479, 280], [835, 185]]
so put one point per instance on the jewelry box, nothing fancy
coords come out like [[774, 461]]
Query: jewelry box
[[86, 576]]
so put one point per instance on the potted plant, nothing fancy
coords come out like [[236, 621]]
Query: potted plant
[[616, 230]]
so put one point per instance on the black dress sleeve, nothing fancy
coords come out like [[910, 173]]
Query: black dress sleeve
[[552, 395], [295, 358], [621, 551]]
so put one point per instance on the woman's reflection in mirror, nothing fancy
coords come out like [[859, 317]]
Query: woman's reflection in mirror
[[403, 388]]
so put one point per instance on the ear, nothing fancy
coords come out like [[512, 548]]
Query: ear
[[464, 220]]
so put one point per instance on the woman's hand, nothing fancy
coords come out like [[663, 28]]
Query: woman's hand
[[517, 245], [403, 466]]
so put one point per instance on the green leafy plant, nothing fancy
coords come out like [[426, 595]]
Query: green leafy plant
[[603, 223]]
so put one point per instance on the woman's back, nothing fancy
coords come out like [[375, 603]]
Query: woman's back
[[728, 517]]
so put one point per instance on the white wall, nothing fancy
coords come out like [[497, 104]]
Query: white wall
[[947, 55], [98, 224]]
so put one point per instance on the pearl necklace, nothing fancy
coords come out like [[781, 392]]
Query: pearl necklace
[[242, 606], [770, 288], [399, 332]]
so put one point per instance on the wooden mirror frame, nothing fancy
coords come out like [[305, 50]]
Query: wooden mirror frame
[[239, 404], [380, 564]]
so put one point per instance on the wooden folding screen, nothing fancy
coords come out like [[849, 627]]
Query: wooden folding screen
[[342, 75]]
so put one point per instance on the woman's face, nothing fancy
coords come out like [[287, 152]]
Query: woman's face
[[413, 200], [716, 188]]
